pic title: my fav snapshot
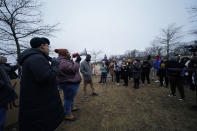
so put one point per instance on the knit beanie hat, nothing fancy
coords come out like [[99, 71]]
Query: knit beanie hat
[[61, 51], [37, 41]]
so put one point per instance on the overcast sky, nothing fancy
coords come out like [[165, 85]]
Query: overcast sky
[[114, 26]]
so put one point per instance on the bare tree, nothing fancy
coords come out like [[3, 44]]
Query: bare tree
[[154, 49], [20, 20], [180, 49], [95, 55], [193, 12], [133, 53], [169, 37]]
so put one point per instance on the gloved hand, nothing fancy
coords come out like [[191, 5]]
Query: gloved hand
[[78, 59]]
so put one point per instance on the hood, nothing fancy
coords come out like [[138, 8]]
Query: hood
[[29, 52]]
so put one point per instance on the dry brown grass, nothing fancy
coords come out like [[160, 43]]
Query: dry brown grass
[[126, 109]]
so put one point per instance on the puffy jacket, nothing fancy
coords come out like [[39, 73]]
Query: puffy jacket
[[174, 69], [68, 71]]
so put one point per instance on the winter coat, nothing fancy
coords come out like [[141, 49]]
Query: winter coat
[[68, 71], [106, 61], [174, 69], [192, 67], [125, 71], [136, 70], [130, 65], [40, 106], [103, 69], [10, 70], [111, 69], [118, 66], [146, 66], [157, 63], [86, 70], [162, 69], [7, 93]]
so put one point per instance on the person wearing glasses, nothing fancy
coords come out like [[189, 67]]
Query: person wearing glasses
[[40, 106]]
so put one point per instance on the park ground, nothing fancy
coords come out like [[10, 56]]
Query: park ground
[[119, 108]]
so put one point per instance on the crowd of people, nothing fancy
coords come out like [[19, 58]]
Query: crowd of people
[[178, 71], [40, 105]]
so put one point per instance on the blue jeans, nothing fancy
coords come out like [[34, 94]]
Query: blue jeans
[[2, 118], [70, 91], [103, 77]]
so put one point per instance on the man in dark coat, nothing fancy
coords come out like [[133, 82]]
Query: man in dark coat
[[146, 66], [40, 104], [136, 71], [7, 95], [175, 73], [125, 69]]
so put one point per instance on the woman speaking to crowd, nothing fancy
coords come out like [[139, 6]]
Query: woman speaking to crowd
[[69, 80]]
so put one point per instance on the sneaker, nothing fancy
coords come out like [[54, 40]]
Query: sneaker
[[74, 109], [117, 84], [85, 96], [170, 95], [70, 117], [181, 99], [156, 81], [94, 94]]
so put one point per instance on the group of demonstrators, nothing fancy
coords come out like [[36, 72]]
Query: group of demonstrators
[[133, 68], [40, 105], [178, 71]]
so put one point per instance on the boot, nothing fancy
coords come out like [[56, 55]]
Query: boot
[[70, 117]]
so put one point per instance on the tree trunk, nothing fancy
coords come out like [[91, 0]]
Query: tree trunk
[[168, 49], [18, 51], [18, 54]]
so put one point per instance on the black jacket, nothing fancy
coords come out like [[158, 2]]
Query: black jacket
[[40, 104], [10, 70], [136, 71], [7, 93], [146, 66], [174, 69]]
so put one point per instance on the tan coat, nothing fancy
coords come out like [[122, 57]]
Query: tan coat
[[111, 69]]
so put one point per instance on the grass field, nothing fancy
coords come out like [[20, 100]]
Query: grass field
[[127, 109]]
